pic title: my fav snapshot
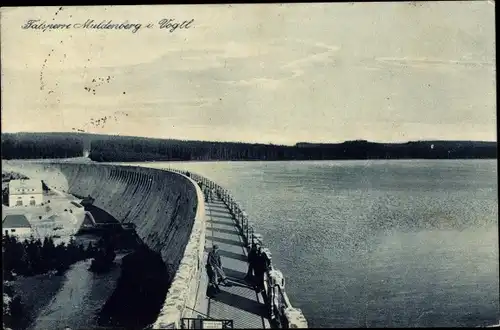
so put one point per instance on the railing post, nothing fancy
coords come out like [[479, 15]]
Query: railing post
[[237, 216], [272, 299], [244, 219], [244, 228]]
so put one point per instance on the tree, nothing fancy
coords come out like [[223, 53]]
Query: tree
[[91, 251], [48, 254], [32, 257], [105, 254], [63, 261]]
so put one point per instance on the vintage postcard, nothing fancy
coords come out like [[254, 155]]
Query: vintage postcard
[[284, 165]]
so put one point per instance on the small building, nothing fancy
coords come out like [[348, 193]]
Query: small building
[[17, 225], [25, 193]]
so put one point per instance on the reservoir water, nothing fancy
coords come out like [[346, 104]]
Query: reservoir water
[[376, 243]]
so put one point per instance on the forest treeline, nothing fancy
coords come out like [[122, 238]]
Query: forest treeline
[[107, 148], [35, 146], [32, 256]]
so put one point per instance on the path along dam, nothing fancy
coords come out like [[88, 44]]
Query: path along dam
[[171, 216]]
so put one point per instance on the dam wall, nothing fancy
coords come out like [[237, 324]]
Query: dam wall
[[166, 207], [168, 210]]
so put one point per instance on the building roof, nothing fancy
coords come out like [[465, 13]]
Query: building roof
[[15, 221], [30, 187], [53, 217], [76, 204]]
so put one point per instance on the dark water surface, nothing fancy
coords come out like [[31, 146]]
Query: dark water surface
[[376, 243]]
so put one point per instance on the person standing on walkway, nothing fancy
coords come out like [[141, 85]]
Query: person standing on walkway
[[215, 261], [260, 268], [252, 256], [213, 286]]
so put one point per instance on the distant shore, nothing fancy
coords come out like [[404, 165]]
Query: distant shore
[[108, 148]]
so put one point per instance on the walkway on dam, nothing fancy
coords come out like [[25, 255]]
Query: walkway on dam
[[239, 302]]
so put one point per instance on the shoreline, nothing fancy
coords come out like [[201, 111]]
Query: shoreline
[[291, 160], [246, 160]]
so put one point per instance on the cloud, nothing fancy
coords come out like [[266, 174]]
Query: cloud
[[431, 62], [284, 60], [298, 66], [134, 102], [318, 70], [267, 83]]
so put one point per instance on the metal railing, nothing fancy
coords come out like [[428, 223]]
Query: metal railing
[[279, 303], [275, 296]]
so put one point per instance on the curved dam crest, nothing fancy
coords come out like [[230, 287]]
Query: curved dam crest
[[166, 207], [161, 204]]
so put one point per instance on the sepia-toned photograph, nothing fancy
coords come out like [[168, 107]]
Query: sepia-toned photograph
[[265, 165]]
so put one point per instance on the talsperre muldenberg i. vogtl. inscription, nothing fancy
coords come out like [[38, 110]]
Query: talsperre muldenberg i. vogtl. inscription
[[168, 24]]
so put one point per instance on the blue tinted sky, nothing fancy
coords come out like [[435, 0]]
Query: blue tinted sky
[[265, 73]]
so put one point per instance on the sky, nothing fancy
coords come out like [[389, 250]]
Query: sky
[[268, 73]]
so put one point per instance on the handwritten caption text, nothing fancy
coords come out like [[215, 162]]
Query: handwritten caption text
[[168, 24]]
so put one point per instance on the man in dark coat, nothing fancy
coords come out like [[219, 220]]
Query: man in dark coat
[[252, 256], [214, 260], [260, 268], [213, 286]]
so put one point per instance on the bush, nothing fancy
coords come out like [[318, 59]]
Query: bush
[[33, 257], [13, 310], [104, 256]]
